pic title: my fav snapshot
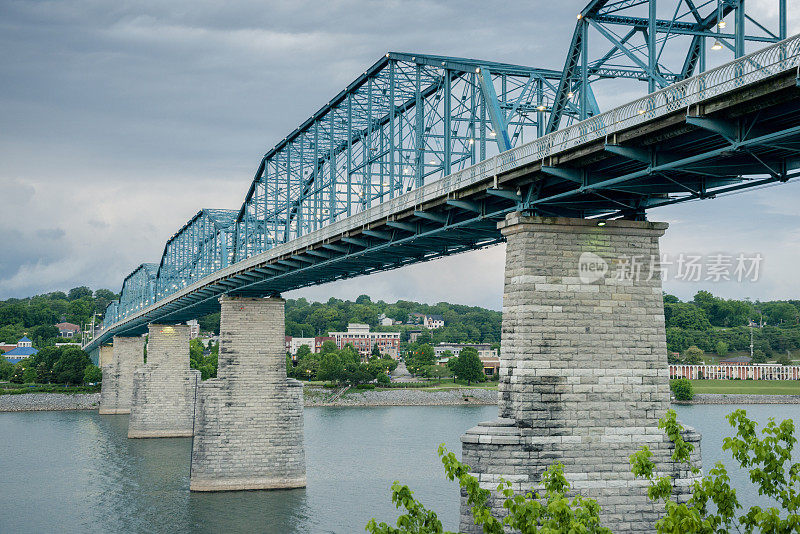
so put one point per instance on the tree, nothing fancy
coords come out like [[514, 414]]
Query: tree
[[327, 346], [92, 374], [79, 293], [783, 359], [70, 367], [29, 375], [693, 355], [6, 369], [468, 365], [766, 458], [376, 351], [384, 379], [721, 348], [549, 512], [759, 356], [331, 368], [303, 351]]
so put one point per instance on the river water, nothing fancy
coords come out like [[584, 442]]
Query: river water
[[78, 472]]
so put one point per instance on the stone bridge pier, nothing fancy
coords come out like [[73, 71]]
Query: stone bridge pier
[[249, 420], [583, 369], [162, 403], [117, 386]]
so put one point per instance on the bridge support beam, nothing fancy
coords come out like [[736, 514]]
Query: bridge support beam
[[162, 403], [583, 369], [117, 387], [249, 420]]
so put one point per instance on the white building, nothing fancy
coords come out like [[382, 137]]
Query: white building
[[484, 350], [296, 342]]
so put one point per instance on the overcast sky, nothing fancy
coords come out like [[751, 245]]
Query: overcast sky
[[119, 120]]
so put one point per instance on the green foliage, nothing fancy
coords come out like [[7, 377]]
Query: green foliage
[[384, 379], [204, 359], [36, 316], [303, 351], [682, 389], [768, 460], [759, 356], [6, 369], [71, 366], [721, 348], [548, 513], [693, 355], [783, 359], [468, 365], [92, 374]]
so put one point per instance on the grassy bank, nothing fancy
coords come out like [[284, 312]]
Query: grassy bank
[[750, 387], [19, 389]]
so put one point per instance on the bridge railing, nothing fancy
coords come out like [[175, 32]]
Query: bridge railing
[[748, 69], [757, 66]]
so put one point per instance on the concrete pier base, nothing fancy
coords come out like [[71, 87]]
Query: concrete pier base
[[162, 403], [117, 388], [249, 420], [583, 369]]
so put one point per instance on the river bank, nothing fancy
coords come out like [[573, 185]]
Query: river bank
[[740, 398], [400, 397], [36, 402], [315, 396]]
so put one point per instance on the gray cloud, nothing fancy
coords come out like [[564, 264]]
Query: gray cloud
[[118, 121]]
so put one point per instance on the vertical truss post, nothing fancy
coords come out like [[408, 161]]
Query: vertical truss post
[[584, 94], [287, 223], [419, 146], [317, 181], [739, 39], [349, 152], [448, 129], [483, 129], [539, 105], [652, 60], [332, 164], [782, 19], [392, 140]]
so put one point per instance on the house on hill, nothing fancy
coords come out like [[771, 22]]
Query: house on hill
[[68, 330], [23, 349]]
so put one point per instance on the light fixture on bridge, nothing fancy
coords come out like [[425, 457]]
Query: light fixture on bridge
[[722, 24], [570, 94], [601, 223], [717, 45], [541, 107]]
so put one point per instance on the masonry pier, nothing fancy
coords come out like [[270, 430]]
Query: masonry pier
[[583, 368], [117, 387], [249, 420], [162, 403]]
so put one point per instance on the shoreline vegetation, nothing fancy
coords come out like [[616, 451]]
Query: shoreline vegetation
[[441, 394]]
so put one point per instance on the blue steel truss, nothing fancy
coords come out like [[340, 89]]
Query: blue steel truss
[[411, 120], [407, 120], [628, 39], [198, 249]]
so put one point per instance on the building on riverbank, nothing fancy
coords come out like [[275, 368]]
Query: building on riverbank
[[363, 340], [23, 349], [736, 371]]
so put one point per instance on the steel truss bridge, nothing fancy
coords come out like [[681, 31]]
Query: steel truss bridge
[[422, 155]]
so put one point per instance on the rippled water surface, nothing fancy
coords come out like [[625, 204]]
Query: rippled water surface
[[78, 472]]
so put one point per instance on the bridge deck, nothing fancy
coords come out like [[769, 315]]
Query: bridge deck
[[734, 127]]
